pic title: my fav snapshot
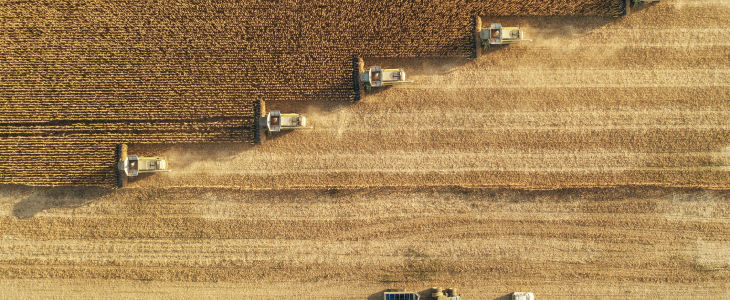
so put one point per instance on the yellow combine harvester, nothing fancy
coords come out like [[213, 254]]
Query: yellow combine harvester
[[377, 77], [498, 35], [133, 165], [275, 121]]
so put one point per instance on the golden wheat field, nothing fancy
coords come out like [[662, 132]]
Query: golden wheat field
[[591, 162]]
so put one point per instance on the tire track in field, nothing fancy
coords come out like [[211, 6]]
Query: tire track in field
[[574, 142], [482, 155], [604, 231], [581, 78], [567, 120], [649, 36], [459, 162], [544, 99]]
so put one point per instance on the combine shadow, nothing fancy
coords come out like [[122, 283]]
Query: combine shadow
[[504, 297], [379, 295], [38, 199], [273, 136], [375, 90]]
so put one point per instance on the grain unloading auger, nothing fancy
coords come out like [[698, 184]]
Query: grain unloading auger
[[133, 165], [275, 121]]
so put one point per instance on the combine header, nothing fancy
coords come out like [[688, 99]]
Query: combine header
[[133, 165]]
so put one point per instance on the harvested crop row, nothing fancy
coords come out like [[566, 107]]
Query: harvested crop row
[[361, 235]]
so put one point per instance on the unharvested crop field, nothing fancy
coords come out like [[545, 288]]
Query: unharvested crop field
[[593, 160]]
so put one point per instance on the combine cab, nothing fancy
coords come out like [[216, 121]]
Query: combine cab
[[498, 35], [132, 165], [377, 77]]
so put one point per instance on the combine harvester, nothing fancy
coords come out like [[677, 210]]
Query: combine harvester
[[133, 165], [498, 35], [275, 121], [495, 34], [376, 76]]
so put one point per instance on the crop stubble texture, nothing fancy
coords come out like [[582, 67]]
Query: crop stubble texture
[[373, 235]]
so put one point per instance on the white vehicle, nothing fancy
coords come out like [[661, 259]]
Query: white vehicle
[[377, 77], [522, 296], [495, 34], [275, 121], [133, 165]]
